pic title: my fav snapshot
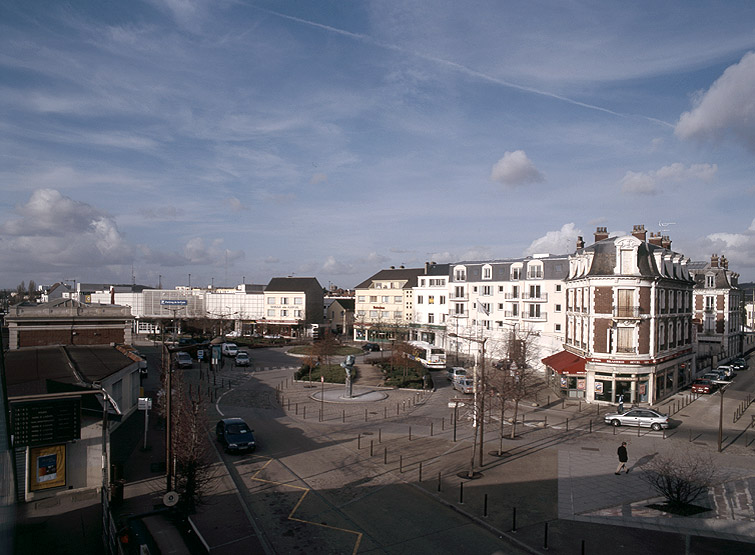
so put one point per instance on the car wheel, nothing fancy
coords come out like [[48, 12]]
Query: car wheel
[[616, 422], [656, 427]]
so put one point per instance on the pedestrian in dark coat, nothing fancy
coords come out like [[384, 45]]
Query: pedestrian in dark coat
[[621, 403], [623, 458]]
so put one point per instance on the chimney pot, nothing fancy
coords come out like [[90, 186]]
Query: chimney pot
[[580, 242], [601, 233], [639, 232]]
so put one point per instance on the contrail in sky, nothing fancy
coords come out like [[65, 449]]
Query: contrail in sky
[[458, 67]]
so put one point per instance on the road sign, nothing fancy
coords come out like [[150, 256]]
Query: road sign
[[200, 354], [144, 403], [174, 302]]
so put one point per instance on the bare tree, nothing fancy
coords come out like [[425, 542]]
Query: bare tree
[[680, 477]]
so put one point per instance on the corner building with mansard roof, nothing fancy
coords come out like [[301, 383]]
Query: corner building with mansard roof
[[629, 318]]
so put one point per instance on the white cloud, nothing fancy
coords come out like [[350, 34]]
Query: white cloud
[[648, 183], [236, 205], [727, 109], [739, 248], [515, 168], [555, 242], [53, 230]]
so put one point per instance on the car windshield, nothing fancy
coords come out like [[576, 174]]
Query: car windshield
[[237, 429]]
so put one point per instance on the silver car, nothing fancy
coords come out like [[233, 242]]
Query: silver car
[[644, 418]]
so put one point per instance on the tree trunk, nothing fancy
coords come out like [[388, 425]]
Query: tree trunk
[[513, 422]]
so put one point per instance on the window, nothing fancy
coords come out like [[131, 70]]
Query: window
[[534, 271], [459, 308], [459, 292], [361, 313], [558, 288], [271, 300], [419, 299], [271, 312], [558, 327], [515, 292], [397, 314], [515, 309], [373, 298], [297, 313], [710, 303], [627, 262], [625, 340], [534, 291], [284, 312], [422, 283], [487, 272], [284, 300], [500, 288], [398, 299], [431, 318], [298, 300], [516, 273], [385, 299], [442, 299], [460, 274], [710, 281], [487, 290], [373, 313], [361, 298], [558, 308], [431, 299], [386, 314], [534, 311], [500, 306]]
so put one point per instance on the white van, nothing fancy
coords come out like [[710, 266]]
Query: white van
[[229, 349]]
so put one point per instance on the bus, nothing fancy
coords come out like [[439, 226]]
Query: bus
[[429, 355]]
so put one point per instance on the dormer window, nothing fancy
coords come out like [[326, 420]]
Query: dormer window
[[710, 281], [487, 272], [516, 272], [460, 273]]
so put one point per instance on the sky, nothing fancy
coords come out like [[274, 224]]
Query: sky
[[215, 141]]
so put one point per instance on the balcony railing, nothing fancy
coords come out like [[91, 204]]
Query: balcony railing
[[535, 297], [626, 312], [455, 297], [460, 314], [539, 317], [512, 295]]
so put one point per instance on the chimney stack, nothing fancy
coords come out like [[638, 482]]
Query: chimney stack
[[580, 242], [601, 233], [639, 232], [724, 262], [666, 242], [655, 239], [714, 261]]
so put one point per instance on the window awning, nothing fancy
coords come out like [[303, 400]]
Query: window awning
[[565, 362]]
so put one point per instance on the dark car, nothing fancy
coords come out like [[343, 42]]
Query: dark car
[[235, 435], [184, 360], [242, 359], [703, 386], [369, 347], [739, 364]]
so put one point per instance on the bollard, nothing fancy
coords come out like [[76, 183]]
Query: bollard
[[372, 441], [410, 433], [397, 408], [485, 506], [461, 493], [583, 547], [420, 471], [567, 424], [664, 433], [545, 537], [401, 463], [443, 424], [296, 408], [343, 416], [580, 407], [439, 481], [359, 441], [549, 400], [590, 425], [546, 421], [365, 415], [304, 411], [431, 429], [614, 429], [638, 431], [513, 520], [597, 413], [385, 412], [563, 402], [289, 405], [690, 436], [385, 456], [380, 435]]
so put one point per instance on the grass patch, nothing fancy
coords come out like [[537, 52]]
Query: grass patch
[[409, 376], [342, 350], [679, 509], [333, 373]]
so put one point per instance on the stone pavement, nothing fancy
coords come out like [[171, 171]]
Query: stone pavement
[[554, 485]]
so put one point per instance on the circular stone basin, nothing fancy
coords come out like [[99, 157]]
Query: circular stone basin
[[359, 395]]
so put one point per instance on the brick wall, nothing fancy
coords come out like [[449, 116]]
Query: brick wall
[[603, 300]]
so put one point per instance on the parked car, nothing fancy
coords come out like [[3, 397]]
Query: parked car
[[465, 385], [726, 370], [242, 359], [235, 435], [644, 418], [184, 360], [703, 386], [273, 336], [456, 372], [739, 364], [369, 347], [229, 349], [716, 377]]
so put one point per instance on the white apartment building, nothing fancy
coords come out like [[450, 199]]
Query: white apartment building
[[431, 302], [492, 298]]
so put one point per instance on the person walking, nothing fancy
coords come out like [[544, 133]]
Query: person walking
[[621, 403], [623, 458]]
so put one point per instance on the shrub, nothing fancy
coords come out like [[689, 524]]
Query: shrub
[[680, 477], [333, 373]]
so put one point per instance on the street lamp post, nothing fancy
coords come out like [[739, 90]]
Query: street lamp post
[[479, 403]]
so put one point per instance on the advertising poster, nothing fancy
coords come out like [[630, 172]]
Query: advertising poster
[[564, 382], [581, 384], [599, 387], [48, 467]]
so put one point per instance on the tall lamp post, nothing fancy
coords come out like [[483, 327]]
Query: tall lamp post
[[479, 402]]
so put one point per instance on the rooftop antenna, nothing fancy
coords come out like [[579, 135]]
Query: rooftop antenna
[[665, 225], [133, 277]]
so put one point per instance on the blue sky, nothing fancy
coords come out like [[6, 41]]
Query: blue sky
[[246, 140]]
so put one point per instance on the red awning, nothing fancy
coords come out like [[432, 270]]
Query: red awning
[[566, 363]]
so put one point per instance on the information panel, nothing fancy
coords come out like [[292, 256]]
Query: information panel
[[43, 422]]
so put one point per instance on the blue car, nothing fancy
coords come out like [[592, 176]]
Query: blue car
[[235, 435]]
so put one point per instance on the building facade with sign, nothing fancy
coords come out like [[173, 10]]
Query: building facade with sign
[[629, 318], [57, 413], [292, 304]]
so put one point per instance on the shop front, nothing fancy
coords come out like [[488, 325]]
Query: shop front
[[566, 372]]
